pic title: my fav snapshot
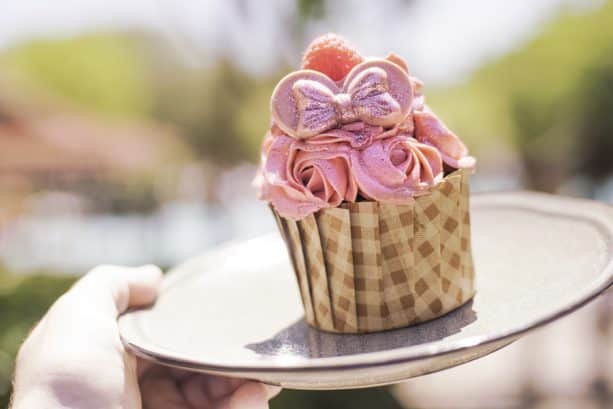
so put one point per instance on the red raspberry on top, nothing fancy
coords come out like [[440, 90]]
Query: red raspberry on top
[[331, 55]]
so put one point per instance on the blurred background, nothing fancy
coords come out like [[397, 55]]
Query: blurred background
[[129, 134]]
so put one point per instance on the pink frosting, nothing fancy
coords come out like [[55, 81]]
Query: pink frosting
[[418, 94], [369, 135], [396, 169], [300, 178], [432, 131], [360, 135], [306, 103], [356, 134]]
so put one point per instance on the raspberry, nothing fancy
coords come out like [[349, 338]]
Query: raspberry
[[332, 55]]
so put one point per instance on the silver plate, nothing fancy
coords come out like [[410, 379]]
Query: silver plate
[[236, 310]]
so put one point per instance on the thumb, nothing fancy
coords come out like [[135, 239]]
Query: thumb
[[113, 289], [75, 353]]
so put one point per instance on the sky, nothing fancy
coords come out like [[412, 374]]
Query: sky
[[443, 40]]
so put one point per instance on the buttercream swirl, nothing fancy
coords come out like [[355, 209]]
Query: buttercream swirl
[[430, 130], [396, 169], [298, 178], [367, 136]]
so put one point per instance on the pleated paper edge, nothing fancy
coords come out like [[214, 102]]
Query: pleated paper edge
[[298, 255]]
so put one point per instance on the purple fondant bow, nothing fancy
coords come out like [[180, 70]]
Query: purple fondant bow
[[307, 103]]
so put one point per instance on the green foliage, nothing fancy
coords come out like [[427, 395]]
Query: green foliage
[[222, 111], [595, 127], [254, 118], [311, 9], [101, 72], [549, 99], [371, 398]]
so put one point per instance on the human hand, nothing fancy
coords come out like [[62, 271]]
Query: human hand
[[74, 357]]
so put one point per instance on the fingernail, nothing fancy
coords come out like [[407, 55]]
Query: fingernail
[[271, 390]]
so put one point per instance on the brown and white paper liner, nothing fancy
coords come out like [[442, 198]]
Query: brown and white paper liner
[[371, 266]]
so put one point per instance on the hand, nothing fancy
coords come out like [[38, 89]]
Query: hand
[[74, 357]]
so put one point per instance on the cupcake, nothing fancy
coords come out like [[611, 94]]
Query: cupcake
[[370, 192]]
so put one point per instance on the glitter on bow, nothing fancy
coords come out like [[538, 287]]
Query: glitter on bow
[[376, 92]]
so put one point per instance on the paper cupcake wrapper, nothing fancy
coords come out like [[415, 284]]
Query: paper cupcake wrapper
[[372, 266]]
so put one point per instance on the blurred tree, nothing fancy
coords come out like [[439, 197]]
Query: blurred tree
[[74, 120], [549, 99], [311, 9], [101, 72], [208, 104], [595, 126]]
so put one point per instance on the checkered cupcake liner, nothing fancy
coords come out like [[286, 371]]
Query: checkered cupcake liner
[[372, 266]]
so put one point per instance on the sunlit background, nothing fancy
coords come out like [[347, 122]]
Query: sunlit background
[[129, 133]]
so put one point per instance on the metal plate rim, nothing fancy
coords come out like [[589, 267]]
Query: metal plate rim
[[602, 217]]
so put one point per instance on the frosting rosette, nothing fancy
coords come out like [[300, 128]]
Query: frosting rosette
[[298, 178], [430, 130], [396, 169], [359, 134], [346, 128], [368, 190]]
